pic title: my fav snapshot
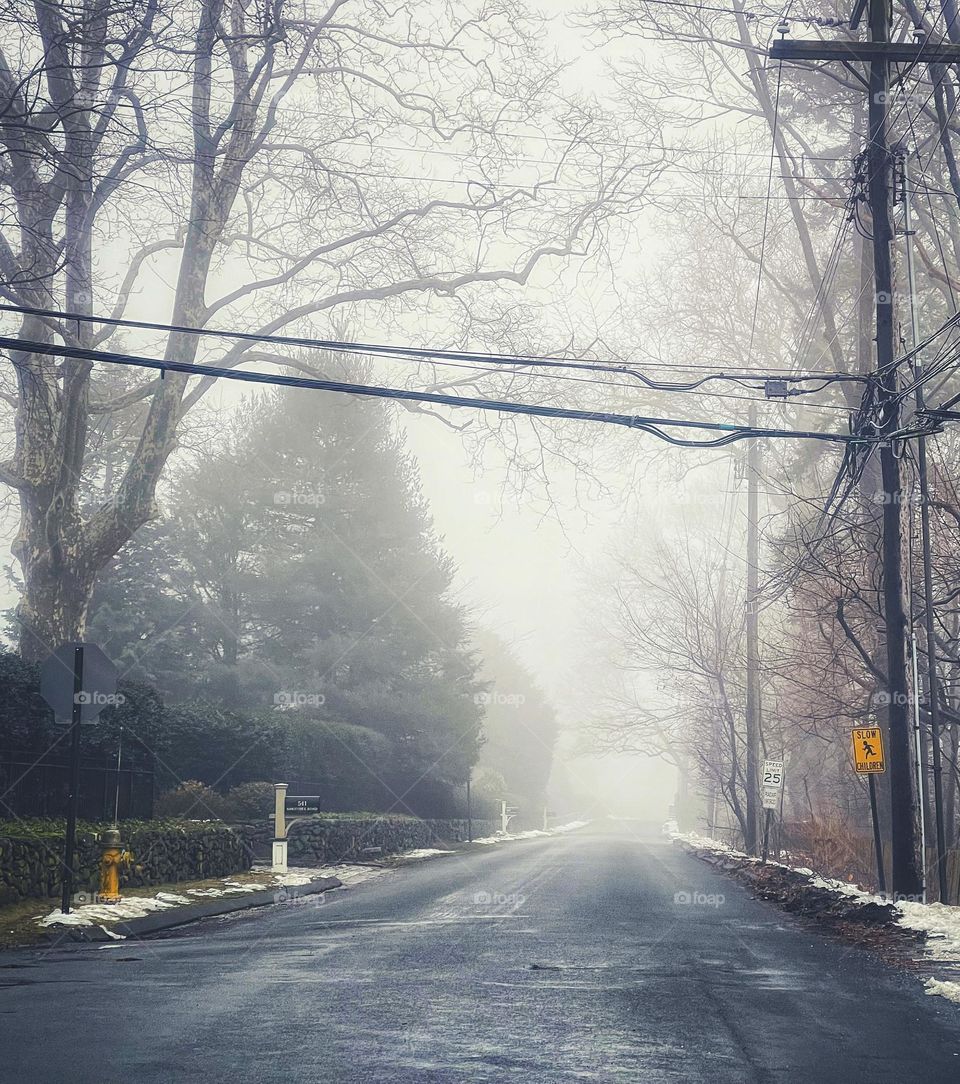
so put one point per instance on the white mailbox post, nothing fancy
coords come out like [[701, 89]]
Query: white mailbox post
[[280, 828]]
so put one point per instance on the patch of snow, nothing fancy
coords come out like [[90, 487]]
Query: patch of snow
[[354, 875], [567, 827], [939, 922], [532, 833], [295, 877], [424, 852], [93, 914], [949, 990]]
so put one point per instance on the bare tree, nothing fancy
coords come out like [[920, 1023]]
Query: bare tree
[[260, 164]]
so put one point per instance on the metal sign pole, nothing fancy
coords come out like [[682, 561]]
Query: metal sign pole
[[116, 797], [877, 841], [766, 836], [74, 803], [469, 811]]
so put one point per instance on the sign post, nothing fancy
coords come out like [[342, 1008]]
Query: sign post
[[469, 809], [73, 808], [78, 681], [772, 791], [869, 760]]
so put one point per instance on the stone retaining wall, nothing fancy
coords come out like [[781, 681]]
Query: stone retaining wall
[[31, 865], [170, 852], [321, 840]]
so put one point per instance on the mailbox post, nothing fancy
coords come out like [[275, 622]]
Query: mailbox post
[[280, 828], [297, 804]]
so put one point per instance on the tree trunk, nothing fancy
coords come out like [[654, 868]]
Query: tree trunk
[[58, 582]]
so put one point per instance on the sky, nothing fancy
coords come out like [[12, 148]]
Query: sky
[[527, 576]]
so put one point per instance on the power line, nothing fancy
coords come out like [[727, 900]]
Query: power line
[[653, 426], [428, 354], [488, 370]]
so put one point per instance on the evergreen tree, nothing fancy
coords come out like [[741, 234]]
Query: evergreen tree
[[300, 573]]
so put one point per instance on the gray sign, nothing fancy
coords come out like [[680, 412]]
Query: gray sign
[[98, 683]]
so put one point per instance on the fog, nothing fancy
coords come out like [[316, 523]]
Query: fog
[[641, 253]]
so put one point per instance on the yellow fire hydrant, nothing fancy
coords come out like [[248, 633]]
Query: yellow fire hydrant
[[112, 857]]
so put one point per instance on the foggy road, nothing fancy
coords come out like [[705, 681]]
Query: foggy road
[[601, 955]]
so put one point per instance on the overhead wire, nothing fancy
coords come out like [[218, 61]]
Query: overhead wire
[[396, 352], [652, 425]]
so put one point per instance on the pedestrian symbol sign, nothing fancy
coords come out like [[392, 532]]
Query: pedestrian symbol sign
[[868, 750]]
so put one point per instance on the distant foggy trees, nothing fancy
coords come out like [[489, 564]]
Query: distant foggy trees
[[806, 242], [519, 730]]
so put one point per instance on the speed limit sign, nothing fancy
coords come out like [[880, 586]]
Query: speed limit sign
[[772, 783]]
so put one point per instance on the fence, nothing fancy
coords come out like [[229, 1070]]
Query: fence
[[33, 786]]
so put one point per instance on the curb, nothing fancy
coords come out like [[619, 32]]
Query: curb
[[183, 915]]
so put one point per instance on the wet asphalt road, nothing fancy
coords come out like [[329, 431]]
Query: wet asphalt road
[[560, 959]]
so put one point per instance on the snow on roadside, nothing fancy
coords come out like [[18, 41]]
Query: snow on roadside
[[95, 914], [568, 827], [949, 990], [940, 922], [424, 852], [532, 833]]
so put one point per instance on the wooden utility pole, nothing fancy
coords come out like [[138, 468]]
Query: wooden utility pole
[[879, 53], [933, 684], [752, 708]]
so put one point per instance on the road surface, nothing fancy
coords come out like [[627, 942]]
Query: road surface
[[596, 956]]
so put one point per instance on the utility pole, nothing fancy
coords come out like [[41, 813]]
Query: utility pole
[[933, 689], [879, 53], [753, 655]]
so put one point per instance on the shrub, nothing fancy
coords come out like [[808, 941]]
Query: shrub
[[194, 800], [249, 802]]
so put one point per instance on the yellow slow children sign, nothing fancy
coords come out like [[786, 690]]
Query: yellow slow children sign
[[868, 750]]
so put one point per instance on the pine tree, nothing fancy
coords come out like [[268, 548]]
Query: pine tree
[[303, 574]]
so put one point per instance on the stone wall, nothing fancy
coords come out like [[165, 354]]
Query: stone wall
[[163, 853], [319, 841], [166, 852], [324, 840]]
